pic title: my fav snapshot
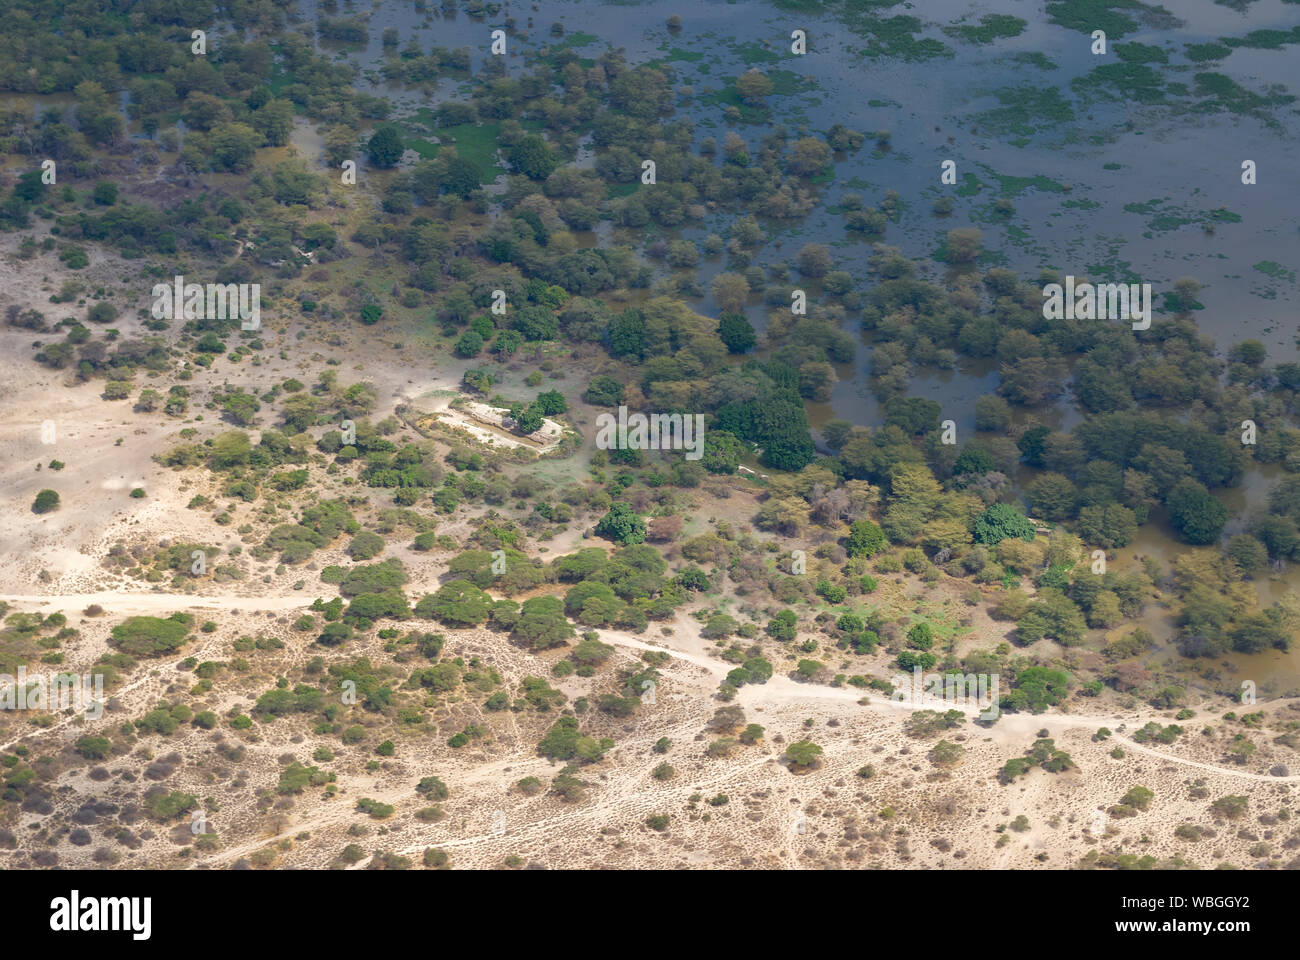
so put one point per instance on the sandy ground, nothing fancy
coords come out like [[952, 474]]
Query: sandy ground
[[771, 818], [749, 808]]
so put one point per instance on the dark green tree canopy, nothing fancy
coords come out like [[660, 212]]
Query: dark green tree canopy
[[1001, 521], [385, 147]]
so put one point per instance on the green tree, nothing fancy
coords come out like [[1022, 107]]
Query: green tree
[[1260, 631], [605, 391], [975, 460], [300, 412], [231, 146], [1249, 352], [241, 408], [1051, 614], [783, 626], [457, 603], [1230, 807], [385, 147], [365, 545], [105, 193], [1001, 521], [274, 120], [1054, 497], [622, 524], [551, 403], [45, 502], [809, 669], [469, 344], [735, 330], [1139, 797], [1195, 513], [921, 636], [533, 158], [803, 753], [730, 290], [866, 539], [753, 86], [1247, 552], [1037, 688], [151, 636], [433, 788], [542, 623], [722, 452], [230, 449], [94, 748], [945, 753], [375, 606], [561, 741], [1107, 525], [527, 419], [462, 178], [102, 312]]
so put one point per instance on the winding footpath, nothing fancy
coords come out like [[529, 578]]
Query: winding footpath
[[778, 690]]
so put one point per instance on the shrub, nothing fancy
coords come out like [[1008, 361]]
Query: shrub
[[45, 502], [803, 753], [622, 524], [1139, 797], [437, 859], [151, 636], [1001, 521]]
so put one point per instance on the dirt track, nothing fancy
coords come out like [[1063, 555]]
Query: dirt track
[[628, 796]]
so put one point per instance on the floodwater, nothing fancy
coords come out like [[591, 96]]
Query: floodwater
[[1175, 166], [1107, 189], [1070, 175]]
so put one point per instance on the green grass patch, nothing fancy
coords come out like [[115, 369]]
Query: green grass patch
[[1275, 270], [1089, 15], [1265, 39], [1023, 110], [1140, 53], [896, 38], [1164, 218], [1112, 271], [784, 83], [1220, 92], [280, 78], [425, 148], [1202, 52], [970, 185], [751, 54], [1174, 305], [728, 96], [1014, 186], [1143, 208], [1163, 222], [1123, 82], [1034, 59], [801, 6], [992, 27], [476, 143], [575, 40]]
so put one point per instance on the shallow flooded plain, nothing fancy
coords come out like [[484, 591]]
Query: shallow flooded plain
[[1119, 167]]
